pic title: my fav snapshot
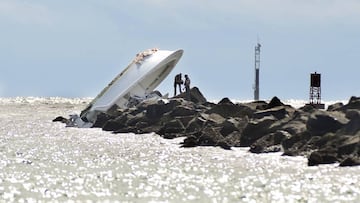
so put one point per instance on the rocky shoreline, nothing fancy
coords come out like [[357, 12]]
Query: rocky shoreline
[[325, 137]]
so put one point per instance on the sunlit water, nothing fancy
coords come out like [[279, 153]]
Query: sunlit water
[[45, 161]]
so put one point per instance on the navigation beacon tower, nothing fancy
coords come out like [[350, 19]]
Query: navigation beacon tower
[[257, 71], [315, 91]]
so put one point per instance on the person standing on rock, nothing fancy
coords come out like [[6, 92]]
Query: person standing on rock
[[187, 87], [177, 82]]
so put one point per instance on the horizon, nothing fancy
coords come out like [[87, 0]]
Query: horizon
[[49, 49], [293, 102]]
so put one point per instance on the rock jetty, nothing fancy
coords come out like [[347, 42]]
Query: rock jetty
[[324, 136]]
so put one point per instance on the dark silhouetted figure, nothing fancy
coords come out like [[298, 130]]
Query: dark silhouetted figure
[[187, 87], [178, 82]]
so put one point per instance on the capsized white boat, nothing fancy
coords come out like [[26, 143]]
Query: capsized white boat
[[139, 79]]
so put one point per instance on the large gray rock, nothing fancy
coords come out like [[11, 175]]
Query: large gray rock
[[117, 123], [354, 103], [324, 156], [195, 96], [155, 111], [294, 127], [270, 142], [256, 105], [351, 145], [279, 112], [172, 129], [228, 110], [233, 139], [350, 161], [225, 101], [353, 126], [195, 125], [199, 122], [335, 107], [210, 136], [213, 118], [102, 119], [181, 110], [255, 130], [292, 144], [274, 102], [322, 122], [233, 124]]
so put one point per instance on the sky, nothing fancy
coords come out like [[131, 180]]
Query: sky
[[75, 48]]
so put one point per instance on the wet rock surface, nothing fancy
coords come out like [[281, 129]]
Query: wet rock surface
[[331, 136]]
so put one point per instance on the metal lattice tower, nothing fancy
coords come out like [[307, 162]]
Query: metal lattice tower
[[315, 88], [315, 91], [257, 72]]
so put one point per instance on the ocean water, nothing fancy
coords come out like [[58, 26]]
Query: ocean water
[[42, 161]]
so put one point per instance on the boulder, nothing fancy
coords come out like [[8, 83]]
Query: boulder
[[195, 96], [155, 111], [134, 120], [149, 128], [117, 123], [213, 118], [228, 110], [350, 161], [231, 125], [274, 102], [209, 105], [195, 125], [190, 141], [210, 136], [181, 110], [353, 126], [354, 103], [292, 144], [143, 105], [128, 129], [225, 101], [335, 107], [223, 144], [60, 119], [270, 142], [350, 145], [256, 105], [172, 129], [101, 120], [176, 101], [255, 130], [352, 114], [321, 122], [294, 127], [278, 112], [233, 139], [227, 127], [308, 109], [323, 140], [324, 156], [214, 133], [185, 120]]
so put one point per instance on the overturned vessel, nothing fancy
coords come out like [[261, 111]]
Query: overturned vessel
[[137, 80]]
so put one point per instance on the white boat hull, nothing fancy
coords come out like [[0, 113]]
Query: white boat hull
[[140, 78]]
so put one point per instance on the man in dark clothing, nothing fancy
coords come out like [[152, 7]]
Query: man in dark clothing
[[177, 82], [187, 87]]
